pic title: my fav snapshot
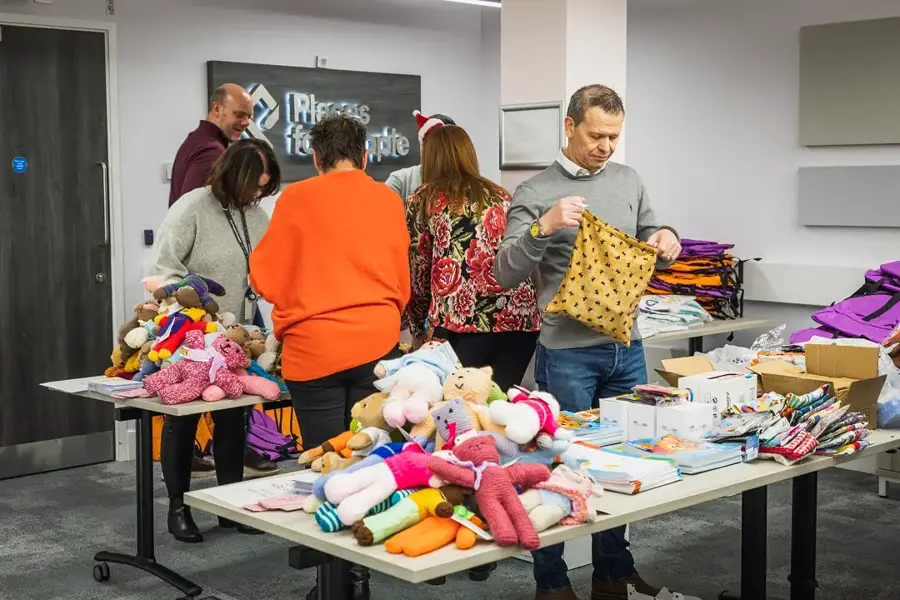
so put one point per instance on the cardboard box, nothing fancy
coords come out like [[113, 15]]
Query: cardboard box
[[690, 421], [720, 389], [676, 368], [641, 421], [837, 366], [615, 411]]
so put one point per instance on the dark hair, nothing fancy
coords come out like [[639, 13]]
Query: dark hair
[[234, 178], [450, 168], [339, 138], [594, 96], [446, 120]]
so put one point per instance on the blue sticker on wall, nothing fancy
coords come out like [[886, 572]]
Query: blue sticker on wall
[[20, 164]]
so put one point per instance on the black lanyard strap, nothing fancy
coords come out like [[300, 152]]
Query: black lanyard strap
[[245, 245]]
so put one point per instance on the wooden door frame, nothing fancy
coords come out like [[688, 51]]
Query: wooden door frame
[[124, 432]]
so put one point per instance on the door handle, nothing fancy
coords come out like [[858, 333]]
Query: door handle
[[104, 170]]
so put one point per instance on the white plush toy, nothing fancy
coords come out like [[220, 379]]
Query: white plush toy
[[267, 359], [412, 391], [529, 416]]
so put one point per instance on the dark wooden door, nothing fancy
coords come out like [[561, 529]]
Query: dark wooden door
[[55, 293]]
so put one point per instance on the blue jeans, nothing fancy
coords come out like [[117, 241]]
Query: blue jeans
[[578, 378]]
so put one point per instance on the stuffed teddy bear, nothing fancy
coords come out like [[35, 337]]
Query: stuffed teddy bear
[[414, 384], [201, 286], [148, 367], [133, 334], [251, 341], [356, 493], [473, 387], [407, 512], [200, 367], [561, 500], [271, 348], [530, 416], [371, 431], [432, 534], [475, 464], [336, 444]]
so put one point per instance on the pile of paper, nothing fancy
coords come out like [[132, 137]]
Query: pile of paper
[[108, 386], [618, 472], [587, 427], [662, 314], [691, 456]]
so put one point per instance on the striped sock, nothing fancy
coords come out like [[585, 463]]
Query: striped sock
[[401, 494], [327, 518]]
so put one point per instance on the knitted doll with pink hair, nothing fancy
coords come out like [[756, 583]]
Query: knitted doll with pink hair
[[475, 464], [529, 416], [356, 493], [199, 368]]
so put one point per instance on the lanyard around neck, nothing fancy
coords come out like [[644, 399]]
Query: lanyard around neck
[[245, 245]]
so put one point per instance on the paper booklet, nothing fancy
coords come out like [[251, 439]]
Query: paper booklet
[[619, 472], [689, 454], [254, 494]]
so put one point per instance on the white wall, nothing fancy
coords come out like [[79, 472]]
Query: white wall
[[163, 46], [712, 126]]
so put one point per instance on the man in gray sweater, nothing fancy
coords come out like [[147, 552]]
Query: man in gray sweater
[[575, 363], [406, 181]]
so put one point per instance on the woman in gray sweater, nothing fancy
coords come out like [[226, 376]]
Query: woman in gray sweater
[[211, 231]]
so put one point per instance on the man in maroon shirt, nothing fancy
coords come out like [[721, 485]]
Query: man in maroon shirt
[[230, 111]]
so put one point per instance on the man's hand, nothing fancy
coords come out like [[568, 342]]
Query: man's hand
[[565, 213], [666, 243]]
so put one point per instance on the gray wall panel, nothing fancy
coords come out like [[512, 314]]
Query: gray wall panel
[[849, 196], [850, 83]]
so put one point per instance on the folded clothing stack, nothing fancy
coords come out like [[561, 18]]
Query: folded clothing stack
[[657, 395], [661, 314], [708, 272]]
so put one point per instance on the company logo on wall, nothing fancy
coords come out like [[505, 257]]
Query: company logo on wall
[[289, 101]]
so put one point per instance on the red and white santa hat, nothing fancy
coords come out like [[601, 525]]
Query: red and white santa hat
[[426, 124]]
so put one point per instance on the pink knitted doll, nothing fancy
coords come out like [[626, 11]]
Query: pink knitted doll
[[529, 416], [475, 463], [355, 494], [252, 385], [185, 380]]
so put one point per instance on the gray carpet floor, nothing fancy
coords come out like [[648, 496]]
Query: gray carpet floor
[[52, 524]]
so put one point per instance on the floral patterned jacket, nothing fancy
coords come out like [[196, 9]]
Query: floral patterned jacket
[[452, 263]]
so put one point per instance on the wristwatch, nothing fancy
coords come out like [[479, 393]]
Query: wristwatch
[[537, 231]]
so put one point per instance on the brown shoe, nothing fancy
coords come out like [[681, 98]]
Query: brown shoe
[[200, 467], [257, 466], [562, 595], [618, 590]]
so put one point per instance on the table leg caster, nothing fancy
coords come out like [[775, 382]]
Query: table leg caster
[[483, 572], [101, 572], [438, 581]]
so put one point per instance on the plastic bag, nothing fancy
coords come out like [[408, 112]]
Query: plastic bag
[[770, 341], [734, 359]]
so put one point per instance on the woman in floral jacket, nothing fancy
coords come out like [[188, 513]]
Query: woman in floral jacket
[[456, 222]]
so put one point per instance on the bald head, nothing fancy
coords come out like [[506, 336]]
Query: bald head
[[231, 109]]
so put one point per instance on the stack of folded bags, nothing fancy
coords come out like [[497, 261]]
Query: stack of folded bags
[[708, 272], [663, 314]]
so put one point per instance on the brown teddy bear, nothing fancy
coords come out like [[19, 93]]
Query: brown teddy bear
[[253, 342], [473, 386], [130, 337], [373, 432]]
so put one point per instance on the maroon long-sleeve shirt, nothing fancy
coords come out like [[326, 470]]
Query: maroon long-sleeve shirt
[[195, 159]]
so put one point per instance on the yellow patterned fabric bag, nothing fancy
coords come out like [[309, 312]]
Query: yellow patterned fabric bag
[[607, 275]]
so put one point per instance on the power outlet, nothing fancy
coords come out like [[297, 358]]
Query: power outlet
[[167, 170], [322, 62]]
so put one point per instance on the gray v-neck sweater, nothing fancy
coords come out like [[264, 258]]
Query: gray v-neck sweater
[[195, 237], [616, 194]]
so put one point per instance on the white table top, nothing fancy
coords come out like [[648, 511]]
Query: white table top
[[714, 328], [78, 387], [618, 509]]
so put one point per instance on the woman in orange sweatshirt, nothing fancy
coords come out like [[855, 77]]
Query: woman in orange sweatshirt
[[334, 264]]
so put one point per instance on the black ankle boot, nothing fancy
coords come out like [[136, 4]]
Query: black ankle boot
[[239, 527], [181, 523]]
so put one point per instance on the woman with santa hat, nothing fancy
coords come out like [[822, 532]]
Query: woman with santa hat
[[406, 181]]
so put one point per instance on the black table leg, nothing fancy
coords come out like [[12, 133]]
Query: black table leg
[[754, 530], [804, 506], [332, 577], [695, 345], [145, 558]]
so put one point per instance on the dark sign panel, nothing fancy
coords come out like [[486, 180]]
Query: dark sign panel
[[290, 100]]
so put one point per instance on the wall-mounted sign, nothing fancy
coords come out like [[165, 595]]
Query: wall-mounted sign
[[20, 164], [290, 100]]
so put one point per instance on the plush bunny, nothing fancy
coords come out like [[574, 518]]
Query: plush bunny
[[475, 464], [413, 383], [200, 367], [530, 416], [563, 499]]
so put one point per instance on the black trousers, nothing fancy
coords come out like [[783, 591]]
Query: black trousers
[[322, 406], [177, 448], [507, 353]]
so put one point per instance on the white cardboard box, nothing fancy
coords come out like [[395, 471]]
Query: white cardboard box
[[721, 389], [615, 411], [641, 421], [691, 420]]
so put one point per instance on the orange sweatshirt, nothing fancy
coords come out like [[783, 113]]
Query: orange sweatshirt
[[334, 265]]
